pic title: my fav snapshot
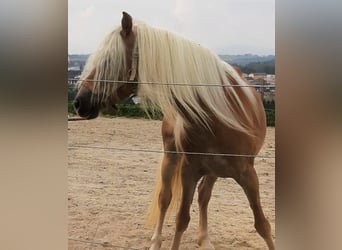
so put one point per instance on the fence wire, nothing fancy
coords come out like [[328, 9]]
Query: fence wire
[[74, 83], [171, 152], [176, 84], [163, 151]]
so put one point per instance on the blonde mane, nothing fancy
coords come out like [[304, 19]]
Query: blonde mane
[[165, 57], [168, 58], [108, 62]]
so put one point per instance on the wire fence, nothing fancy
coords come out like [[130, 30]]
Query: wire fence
[[203, 154], [261, 87], [171, 152], [176, 84], [163, 151], [109, 245], [113, 246]]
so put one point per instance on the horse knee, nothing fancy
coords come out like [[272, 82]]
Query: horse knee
[[165, 196], [204, 190], [203, 196], [203, 199], [182, 222]]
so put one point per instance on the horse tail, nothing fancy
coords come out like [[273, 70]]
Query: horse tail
[[176, 190]]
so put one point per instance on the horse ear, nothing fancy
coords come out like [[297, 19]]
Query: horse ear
[[126, 24]]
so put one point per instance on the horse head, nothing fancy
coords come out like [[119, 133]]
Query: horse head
[[110, 74]]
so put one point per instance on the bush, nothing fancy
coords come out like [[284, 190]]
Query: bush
[[71, 109], [269, 104], [129, 110], [270, 117], [136, 111]]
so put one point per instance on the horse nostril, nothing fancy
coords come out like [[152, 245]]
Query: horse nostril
[[77, 103]]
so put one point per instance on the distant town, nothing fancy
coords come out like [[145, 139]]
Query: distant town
[[258, 70]]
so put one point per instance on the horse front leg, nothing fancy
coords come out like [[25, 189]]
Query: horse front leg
[[168, 168], [204, 193], [189, 181]]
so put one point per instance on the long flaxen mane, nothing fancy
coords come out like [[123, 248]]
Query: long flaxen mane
[[107, 62], [165, 57]]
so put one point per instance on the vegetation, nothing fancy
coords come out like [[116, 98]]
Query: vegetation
[[270, 117], [267, 67], [71, 109], [72, 91], [269, 105], [243, 60], [136, 111]]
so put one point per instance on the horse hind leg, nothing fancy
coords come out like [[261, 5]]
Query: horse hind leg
[[250, 184], [189, 181], [204, 193]]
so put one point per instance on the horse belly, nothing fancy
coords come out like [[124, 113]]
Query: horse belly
[[220, 165]]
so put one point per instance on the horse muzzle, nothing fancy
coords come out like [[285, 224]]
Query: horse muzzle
[[85, 105]]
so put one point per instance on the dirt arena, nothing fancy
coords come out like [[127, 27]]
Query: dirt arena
[[109, 191]]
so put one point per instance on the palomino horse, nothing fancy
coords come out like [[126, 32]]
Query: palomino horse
[[226, 118]]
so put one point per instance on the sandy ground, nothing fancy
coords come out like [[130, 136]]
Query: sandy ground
[[109, 191]]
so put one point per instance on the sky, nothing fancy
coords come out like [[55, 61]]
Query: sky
[[225, 26]]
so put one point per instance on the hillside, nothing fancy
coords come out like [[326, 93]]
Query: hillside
[[78, 57], [248, 63], [243, 60], [267, 67]]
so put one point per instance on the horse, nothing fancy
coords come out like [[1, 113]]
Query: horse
[[174, 74]]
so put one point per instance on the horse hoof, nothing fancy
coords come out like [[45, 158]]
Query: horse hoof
[[155, 246], [206, 246]]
